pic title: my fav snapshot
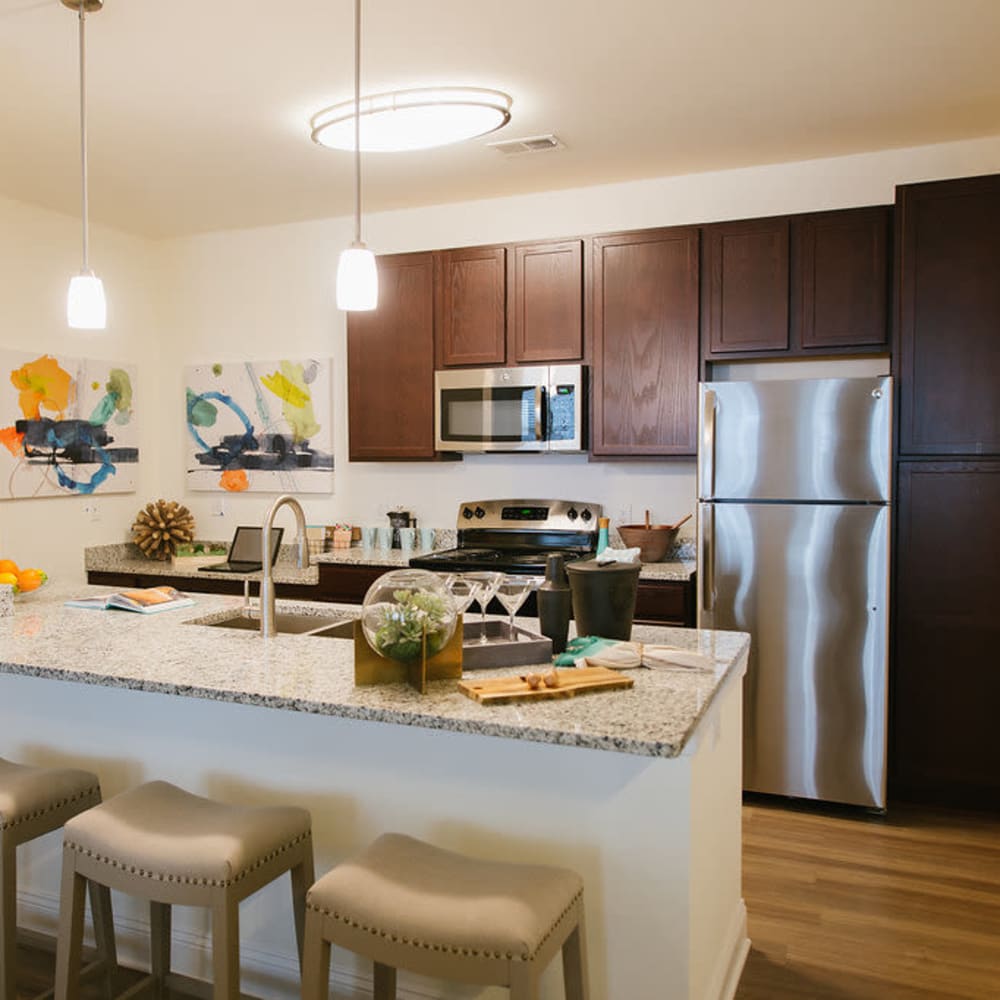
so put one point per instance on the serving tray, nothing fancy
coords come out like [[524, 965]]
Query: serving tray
[[572, 681]]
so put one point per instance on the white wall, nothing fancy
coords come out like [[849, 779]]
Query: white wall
[[243, 293], [268, 292], [39, 252]]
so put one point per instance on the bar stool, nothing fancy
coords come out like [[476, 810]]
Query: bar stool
[[407, 905], [35, 801], [165, 845]]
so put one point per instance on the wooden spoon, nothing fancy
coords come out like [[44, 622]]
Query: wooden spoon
[[647, 520], [683, 520]]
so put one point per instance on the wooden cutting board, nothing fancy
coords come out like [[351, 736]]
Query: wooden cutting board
[[572, 680]]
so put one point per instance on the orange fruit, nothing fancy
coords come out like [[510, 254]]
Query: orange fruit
[[29, 579], [9, 566]]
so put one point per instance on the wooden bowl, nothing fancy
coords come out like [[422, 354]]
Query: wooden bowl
[[653, 542]]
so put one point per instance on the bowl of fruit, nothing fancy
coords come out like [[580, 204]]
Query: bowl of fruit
[[24, 581]]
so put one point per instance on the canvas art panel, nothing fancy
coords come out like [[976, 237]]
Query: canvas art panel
[[67, 426], [260, 426]]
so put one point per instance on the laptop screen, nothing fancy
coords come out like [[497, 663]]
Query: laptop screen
[[246, 545]]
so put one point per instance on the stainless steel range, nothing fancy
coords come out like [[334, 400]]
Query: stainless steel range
[[515, 536]]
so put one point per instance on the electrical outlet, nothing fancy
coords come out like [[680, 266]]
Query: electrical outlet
[[219, 507], [92, 511]]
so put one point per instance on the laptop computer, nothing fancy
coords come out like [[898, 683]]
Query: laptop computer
[[245, 551]]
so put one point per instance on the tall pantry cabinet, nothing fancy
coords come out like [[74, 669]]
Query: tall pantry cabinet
[[946, 673]]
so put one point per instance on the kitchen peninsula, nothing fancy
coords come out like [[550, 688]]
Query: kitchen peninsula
[[638, 790]]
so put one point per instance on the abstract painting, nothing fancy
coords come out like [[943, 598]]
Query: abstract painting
[[262, 426], [67, 426]]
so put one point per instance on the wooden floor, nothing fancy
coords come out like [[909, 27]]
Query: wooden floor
[[846, 905], [843, 906]]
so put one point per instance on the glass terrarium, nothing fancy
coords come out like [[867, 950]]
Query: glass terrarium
[[403, 606]]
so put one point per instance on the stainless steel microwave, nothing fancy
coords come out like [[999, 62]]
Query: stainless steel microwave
[[537, 408]]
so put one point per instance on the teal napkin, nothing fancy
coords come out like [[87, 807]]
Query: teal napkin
[[582, 646]]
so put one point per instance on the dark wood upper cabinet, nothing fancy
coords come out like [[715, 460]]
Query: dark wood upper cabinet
[[745, 286], [945, 676], [472, 306], [390, 364], [645, 308], [949, 317], [545, 312], [840, 279]]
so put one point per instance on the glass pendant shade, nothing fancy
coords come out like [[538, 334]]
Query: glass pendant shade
[[357, 279], [86, 308]]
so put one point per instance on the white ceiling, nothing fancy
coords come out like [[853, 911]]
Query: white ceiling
[[199, 108]]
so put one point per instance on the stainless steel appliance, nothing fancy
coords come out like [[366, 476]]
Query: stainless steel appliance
[[793, 539], [516, 536], [538, 408]]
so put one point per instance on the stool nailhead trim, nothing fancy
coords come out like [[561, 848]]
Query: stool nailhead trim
[[450, 949], [88, 793], [185, 879]]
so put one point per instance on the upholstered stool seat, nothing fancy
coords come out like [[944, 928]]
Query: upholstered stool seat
[[405, 904], [35, 801], [163, 844]]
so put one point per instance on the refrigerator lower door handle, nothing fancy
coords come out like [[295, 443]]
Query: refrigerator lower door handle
[[706, 563]]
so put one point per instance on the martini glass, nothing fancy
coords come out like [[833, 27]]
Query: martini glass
[[487, 584], [512, 593], [463, 592]]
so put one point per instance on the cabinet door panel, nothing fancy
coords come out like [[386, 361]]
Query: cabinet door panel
[[840, 278], [472, 318], [945, 674], [645, 287], [949, 317], [547, 307], [746, 286], [390, 364]]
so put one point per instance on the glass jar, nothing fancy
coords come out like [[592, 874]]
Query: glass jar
[[400, 606]]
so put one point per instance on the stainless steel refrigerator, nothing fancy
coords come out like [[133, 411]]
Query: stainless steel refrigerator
[[794, 485]]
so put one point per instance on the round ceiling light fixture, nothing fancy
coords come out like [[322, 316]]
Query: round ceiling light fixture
[[413, 119]]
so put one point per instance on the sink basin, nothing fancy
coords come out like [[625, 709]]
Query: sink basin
[[290, 623]]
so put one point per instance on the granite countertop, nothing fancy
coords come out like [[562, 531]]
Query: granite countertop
[[127, 558], [169, 654]]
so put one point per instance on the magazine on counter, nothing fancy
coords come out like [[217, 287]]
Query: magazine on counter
[[145, 600]]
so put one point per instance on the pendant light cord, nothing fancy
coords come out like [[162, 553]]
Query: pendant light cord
[[83, 133], [357, 122]]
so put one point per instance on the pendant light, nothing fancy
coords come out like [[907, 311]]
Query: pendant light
[[357, 276], [86, 308]]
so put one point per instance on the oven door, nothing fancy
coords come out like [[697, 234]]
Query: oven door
[[491, 409]]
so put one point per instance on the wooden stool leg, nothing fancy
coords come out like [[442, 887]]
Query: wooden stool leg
[[574, 959], [385, 982], [315, 959], [303, 875], [159, 945], [8, 917], [225, 948], [69, 943], [104, 934]]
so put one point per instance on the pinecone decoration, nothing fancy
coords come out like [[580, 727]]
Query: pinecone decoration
[[160, 526]]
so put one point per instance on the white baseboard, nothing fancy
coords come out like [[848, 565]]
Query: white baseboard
[[737, 947], [266, 974]]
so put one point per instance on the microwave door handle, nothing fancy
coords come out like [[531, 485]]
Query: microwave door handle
[[540, 413]]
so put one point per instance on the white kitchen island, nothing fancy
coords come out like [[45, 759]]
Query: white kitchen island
[[638, 790]]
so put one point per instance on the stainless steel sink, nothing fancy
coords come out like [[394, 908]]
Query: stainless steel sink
[[290, 623]]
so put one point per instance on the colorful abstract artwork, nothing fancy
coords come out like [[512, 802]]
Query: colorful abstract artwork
[[67, 426], [260, 426]]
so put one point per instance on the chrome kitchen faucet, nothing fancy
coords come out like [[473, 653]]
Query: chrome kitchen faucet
[[266, 580]]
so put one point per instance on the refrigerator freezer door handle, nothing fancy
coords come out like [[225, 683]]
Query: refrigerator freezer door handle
[[706, 462], [706, 562]]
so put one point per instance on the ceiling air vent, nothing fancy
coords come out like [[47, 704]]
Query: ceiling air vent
[[530, 144]]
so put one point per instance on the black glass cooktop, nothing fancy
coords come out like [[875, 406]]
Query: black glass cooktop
[[530, 562]]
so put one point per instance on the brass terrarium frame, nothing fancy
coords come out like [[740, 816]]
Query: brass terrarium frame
[[371, 668]]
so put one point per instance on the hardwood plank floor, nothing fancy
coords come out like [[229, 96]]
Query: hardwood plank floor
[[847, 906], [842, 906]]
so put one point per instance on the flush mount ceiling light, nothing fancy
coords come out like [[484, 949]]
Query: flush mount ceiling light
[[413, 119], [86, 308]]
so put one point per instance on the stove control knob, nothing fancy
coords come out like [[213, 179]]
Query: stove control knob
[[572, 514], [467, 513], [586, 515], [480, 513]]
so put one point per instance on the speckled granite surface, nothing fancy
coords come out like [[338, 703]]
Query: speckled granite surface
[[127, 559], [165, 653]]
